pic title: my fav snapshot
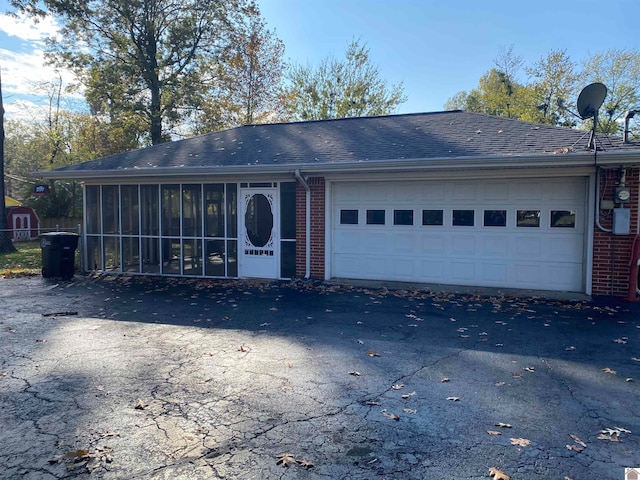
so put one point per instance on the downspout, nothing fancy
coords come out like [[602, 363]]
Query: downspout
[[307, 265]]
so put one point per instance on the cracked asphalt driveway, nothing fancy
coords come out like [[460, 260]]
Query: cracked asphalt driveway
[[133, 378]]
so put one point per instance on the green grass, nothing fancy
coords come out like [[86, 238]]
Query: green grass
[[27, 260]]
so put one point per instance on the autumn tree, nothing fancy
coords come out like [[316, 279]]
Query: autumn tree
[[553, 77], [352, 87], [144, 57], [6, 245], [619, 71], [248, 78]]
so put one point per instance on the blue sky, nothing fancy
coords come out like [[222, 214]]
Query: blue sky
[[435, 47]]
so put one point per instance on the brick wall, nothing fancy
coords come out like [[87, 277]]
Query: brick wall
[[611, 253], [316, 184]]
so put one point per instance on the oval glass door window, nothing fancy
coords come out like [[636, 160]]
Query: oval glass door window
[[258, 220]]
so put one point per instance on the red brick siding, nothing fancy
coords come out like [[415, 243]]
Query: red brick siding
[[611, 253], [317, 186]]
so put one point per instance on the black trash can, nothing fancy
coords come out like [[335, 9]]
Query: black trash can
[[58, 254]]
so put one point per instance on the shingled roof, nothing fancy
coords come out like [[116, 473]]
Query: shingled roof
[[424, 136]]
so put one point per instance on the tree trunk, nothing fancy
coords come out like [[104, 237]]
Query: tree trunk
[[6, 245]]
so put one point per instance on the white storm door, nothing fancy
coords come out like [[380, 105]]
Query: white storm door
[[259, 253]]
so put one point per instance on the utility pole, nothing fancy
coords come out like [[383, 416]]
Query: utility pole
[[6, 245]]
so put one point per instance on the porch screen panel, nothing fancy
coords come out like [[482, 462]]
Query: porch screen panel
[[129, 210], [170, 211], [150, 210], [215, 214], [92, 209], [110, 209], [192, 210], [288, 229]]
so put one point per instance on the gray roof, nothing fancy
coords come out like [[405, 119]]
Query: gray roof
[[423, 136]]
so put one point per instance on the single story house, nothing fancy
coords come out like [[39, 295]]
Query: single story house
[[453, 197]]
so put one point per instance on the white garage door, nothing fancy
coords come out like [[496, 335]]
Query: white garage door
[[503, 233]]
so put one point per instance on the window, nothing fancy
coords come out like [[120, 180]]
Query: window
[[348, 217], [563, 218], [495, 218], [432, 217], [403, 217], [375, 217], [463, 218], [528, 218]]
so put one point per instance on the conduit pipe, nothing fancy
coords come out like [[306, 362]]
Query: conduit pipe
[[598, 224], [307, 210]]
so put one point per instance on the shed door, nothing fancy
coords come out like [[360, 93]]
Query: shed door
[[499, 233]]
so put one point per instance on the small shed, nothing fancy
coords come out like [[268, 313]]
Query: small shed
[[23, 222]]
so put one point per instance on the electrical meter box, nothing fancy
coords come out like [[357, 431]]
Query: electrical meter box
[[621, 221]]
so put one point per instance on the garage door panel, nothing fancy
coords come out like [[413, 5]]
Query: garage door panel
[[495, 246], [433, 244], [511, 255], [463, 245], [495, 273], [463, 272], [432, 270]]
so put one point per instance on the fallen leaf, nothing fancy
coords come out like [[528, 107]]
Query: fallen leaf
[[529, 369], [570, 349], [453, 399], [575, 448], [503, 425], [397, 386], [494, 432], [501, 384], [609, 370], [355, 373], [77, 455], [611, 438], [445, 379], [407, 395], [244, 348], [371, 402], [409, 410], [522, 442], [628, 379], [141, 404], [306, 463], [517, 375], [371, 353], [285, 459], [578, 440], [498, 474], [622, 340], [392, 416]]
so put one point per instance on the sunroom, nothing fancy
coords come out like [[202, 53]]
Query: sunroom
[[192, 229]]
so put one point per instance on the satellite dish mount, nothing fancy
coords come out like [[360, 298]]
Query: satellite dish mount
[[590, 100]]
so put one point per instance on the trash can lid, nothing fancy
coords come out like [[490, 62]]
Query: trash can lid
[[59, 234]]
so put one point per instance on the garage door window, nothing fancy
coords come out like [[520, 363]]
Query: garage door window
[[375, 217], [495, 218], [528, 218], [563, 219], [348, 217], [403, 217], [432, 217], [463, 218]]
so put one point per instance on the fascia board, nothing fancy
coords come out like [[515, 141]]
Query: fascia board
[[394, 165]]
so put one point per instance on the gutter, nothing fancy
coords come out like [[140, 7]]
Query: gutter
[[389, 165], [307, 211]]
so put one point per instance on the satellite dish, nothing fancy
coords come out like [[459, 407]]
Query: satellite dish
[[591, 99]]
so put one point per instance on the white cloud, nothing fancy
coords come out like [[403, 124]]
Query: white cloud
[[24, 28], [25, 73]]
